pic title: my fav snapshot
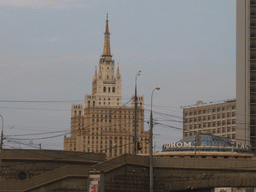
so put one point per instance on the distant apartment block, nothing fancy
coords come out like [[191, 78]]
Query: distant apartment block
[[218, 119]]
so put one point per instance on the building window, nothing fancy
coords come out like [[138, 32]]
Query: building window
[[113, 89], [107, 77], [109, 89], [104, 89]]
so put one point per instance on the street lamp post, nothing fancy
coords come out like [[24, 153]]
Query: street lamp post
[[135, 113], [2, 138], [151, 144]]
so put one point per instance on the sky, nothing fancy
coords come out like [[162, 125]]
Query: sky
[[49, 49]]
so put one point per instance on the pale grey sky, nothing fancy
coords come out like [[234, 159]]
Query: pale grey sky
[[49, 48]]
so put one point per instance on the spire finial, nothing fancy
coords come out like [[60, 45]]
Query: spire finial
[[107, 31]]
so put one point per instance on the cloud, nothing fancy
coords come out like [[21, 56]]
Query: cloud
[[37, 3]]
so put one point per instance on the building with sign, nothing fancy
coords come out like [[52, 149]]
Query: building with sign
[[206, 145], [217, 119], [104, 124], [72, 171]]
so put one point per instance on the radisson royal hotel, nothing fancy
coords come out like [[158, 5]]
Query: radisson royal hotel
[[104, 124]]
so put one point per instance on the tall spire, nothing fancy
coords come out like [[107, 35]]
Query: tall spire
[[106, 50]]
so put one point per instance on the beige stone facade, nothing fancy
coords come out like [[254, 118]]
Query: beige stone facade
[[103, 124], [218, 119]]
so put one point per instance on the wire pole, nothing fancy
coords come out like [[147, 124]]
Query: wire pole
[[2, 138], [135, 114], [151, 181]]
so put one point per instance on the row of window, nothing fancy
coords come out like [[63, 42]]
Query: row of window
[[211, 124], [212, 110], [210, 117], [111, 112], [224, 129], [230, 136], [109, 89]]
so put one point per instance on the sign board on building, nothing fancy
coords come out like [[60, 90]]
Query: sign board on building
[[95, 181]]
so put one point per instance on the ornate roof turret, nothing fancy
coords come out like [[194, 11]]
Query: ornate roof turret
[[117, 71], [100, 74], [95, 74]]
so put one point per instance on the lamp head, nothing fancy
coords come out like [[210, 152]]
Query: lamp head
[[157, 88], [139, 72]]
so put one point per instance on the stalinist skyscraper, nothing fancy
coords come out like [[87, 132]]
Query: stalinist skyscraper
[[104, 124]]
